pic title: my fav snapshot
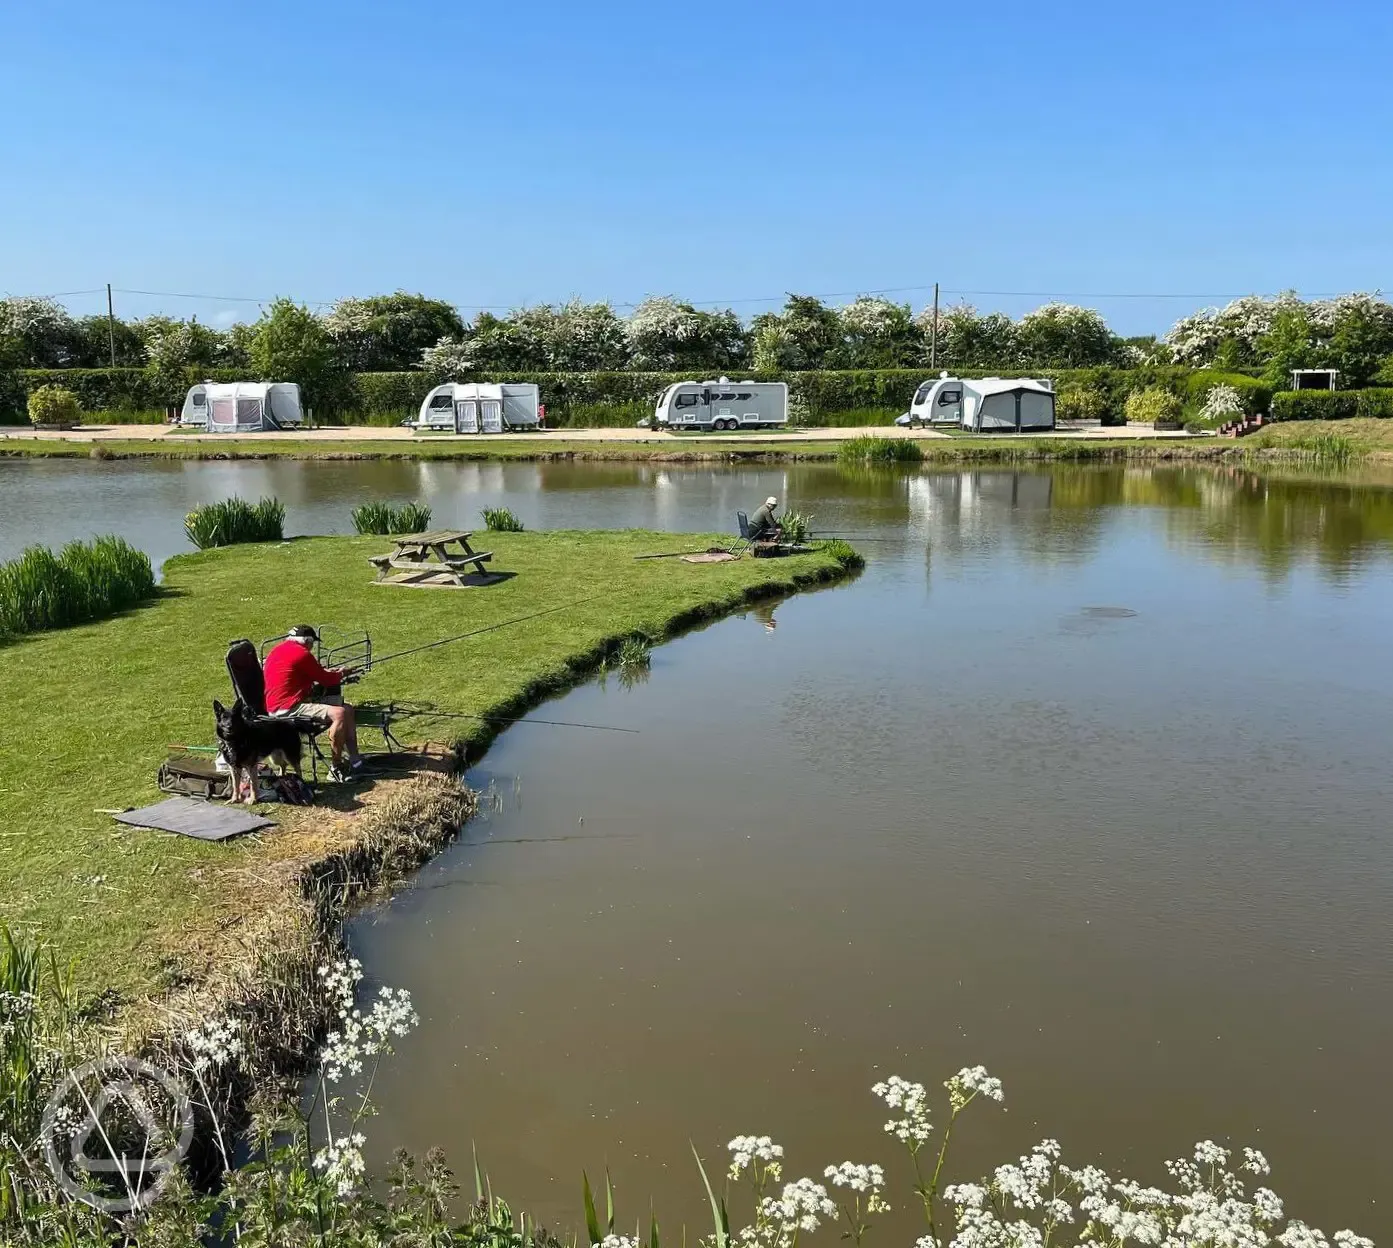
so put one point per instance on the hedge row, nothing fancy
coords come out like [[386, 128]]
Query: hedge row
[[1332, 404], [616, 398]]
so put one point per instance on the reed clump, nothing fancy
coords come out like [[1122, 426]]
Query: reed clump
[[84, 581], [869, 449], [235, 520], [382, 518], [501, 520]]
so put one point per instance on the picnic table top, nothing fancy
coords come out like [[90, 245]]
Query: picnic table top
[[436, 537]]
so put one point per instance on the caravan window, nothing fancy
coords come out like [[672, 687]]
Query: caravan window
[[744, 398], [923, 392], [199, 399], [441, 403], [950, 396], [686, 400]]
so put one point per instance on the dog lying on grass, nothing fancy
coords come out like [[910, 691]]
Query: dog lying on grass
[[245, 739]]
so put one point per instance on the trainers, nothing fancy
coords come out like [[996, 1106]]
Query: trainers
[[337, 775]]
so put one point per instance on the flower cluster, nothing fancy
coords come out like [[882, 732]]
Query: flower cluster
[[912, 1098], [215, 1042], [972, 1081], [342, 1162], [1222, 402], [869, 1179], [746, 1150], [618, 1241], [361, 1035]]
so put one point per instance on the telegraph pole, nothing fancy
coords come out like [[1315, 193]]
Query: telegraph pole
[[111, 325], [934, 330]]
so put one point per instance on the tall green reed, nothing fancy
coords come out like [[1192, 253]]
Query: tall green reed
[[381, 517], [85, 581], [235, 520]]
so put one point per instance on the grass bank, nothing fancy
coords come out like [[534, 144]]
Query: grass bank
[[144, 913]]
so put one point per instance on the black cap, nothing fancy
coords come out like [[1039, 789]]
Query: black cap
[[305, 632]]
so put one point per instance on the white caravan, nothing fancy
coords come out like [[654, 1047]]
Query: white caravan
[[242, 406], [722, 404], [983, 404], [480, 407]]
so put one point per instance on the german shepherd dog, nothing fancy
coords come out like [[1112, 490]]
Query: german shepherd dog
[[245, 739]]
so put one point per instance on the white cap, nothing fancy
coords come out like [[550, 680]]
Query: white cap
[[771, 501]]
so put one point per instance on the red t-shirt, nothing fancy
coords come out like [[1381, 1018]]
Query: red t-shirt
[[291, 671]]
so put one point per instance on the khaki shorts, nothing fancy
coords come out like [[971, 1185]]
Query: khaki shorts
[[323, 710]]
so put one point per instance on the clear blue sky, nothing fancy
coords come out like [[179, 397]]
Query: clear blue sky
[[501, 154]]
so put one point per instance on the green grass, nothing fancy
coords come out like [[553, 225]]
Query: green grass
[[100, 704], [380, 517], [235, 520], [41, 590]]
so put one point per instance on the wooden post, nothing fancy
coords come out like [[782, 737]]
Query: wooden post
[[933, 333], [110, 326]]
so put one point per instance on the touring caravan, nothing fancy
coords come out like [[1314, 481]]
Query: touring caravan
[[983, 404], [479, 407], [722, 404], [242, 406]]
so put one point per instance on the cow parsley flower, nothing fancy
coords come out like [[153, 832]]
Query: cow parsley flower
[[747, 1149], [342, 1162], [972, 1081], [914, 1128], [213, 1043]]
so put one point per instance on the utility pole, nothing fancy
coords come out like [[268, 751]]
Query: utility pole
[[934, 330], [111, 325]]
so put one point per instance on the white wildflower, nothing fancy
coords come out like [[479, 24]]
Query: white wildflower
[[342, 1163], [972, 1081], [214, 1043], [913, 1129], [1255, 1162], [618, 1241], [746, 1149]]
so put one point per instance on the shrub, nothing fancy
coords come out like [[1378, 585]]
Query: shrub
[[41, 590], [1376, 404], [1077, 402], [795, 525], [380, 517], [235, 520], [501, 520], [1152, 404], [53, 405], [869, 449], [1221, 404], [844, 553]]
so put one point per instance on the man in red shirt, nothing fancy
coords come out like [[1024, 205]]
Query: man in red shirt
[[298, 684]]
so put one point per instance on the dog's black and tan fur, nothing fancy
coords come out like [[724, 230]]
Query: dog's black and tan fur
[[246, 739]]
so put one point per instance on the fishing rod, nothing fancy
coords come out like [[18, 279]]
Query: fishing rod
[[506, 719], [479, 632]]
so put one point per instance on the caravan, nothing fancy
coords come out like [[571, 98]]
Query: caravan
[[243, 406], [478, 407], [722, 404], [983, 404]]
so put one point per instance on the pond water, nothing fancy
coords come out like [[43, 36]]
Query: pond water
[[1086, 778]]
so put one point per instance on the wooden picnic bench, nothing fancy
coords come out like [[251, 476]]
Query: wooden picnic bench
[[427, 559]]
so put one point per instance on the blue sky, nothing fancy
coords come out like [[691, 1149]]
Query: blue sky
[[517, 153]]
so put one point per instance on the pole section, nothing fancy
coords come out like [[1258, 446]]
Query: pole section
[[110, 326], [933, 333]]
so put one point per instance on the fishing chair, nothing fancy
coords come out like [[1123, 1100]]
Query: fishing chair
[[755, 545], [249, 684]]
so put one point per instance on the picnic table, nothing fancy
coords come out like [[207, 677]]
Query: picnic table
[[438, 558]]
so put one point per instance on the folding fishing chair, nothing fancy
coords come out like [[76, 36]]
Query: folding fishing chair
[[249, 684], [756, 546]]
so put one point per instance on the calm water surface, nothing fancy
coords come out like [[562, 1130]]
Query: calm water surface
[[1137, 861]]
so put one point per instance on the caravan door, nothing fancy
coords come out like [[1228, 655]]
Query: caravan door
[[467, 416], [491, 412], [690, 408]]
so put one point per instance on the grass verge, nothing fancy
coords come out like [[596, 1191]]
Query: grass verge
[[144, 913]]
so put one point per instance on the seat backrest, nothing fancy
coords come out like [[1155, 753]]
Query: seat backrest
[[744, 522], [248, 681]]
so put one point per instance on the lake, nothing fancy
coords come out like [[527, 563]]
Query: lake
[[1085, 778]]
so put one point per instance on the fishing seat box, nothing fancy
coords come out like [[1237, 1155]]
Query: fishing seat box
[[194, 777]]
